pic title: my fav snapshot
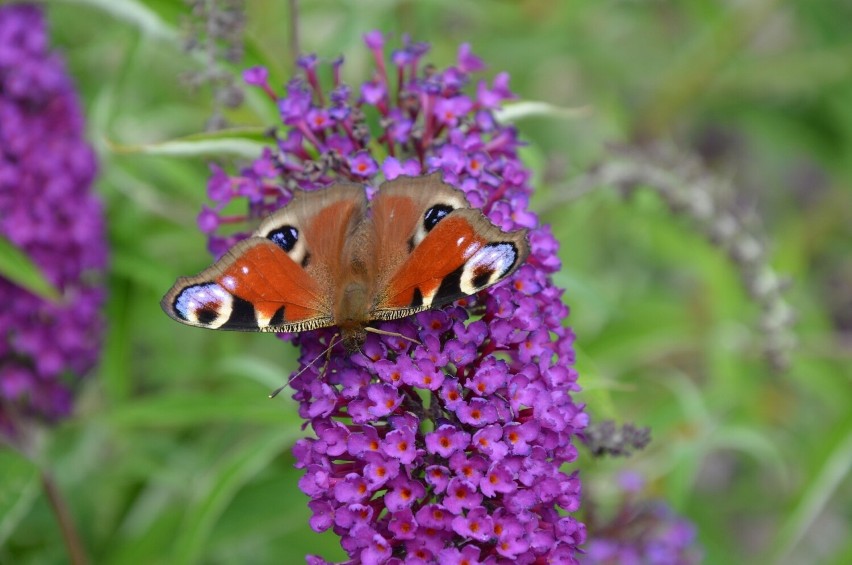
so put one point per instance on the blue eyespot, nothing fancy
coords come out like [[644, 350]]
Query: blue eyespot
[[284, 237], [434, 215]]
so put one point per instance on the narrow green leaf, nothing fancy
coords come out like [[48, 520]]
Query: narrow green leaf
[[196, 409], [242, 142], [264, 371], [224, 482], [134, 267], [754, 443], [16, 266], [18, 489], [529, 109], [822, 486], [136, 14]]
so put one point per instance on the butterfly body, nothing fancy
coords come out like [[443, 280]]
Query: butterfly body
[[353, 314], [330, 258]]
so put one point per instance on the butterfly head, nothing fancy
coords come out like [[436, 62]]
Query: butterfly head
[[353, 335]]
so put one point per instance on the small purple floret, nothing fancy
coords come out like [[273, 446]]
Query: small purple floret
[[256, 76]]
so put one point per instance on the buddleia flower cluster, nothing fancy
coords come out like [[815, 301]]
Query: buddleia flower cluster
[[449, 446], [48, 211]]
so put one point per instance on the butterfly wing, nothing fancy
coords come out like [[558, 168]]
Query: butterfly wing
[[436, 249], [280, 279], [256, 286]]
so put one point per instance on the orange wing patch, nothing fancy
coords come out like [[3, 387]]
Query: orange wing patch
[[441, 254], [256, 287], [463, 254]]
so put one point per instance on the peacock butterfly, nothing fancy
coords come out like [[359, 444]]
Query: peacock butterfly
[[330, 258]]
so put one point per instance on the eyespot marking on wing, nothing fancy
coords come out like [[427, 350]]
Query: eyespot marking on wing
[[210, 305], [207, 305], [435, 214], [431, 217], [288, 238], [284, 237], [488, 265]]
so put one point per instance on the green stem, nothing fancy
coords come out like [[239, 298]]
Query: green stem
[[73, 543], [295, 47]]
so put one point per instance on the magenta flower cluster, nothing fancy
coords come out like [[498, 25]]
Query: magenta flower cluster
[[48, 211], [450, 450]]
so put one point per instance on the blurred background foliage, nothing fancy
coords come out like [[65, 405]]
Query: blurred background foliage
[[177, 456]]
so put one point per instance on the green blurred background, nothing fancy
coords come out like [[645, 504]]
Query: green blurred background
[[176, 454]]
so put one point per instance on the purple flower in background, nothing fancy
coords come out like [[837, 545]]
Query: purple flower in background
[[449, 449], [641, 531], [48, 211]]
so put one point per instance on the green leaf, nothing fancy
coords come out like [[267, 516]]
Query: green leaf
[[194, 409], [755, 443], [266, 372], [222, 484], [16, 266], [18, 489], [136, 14], [241, 142], [529, 109], [821, 487]]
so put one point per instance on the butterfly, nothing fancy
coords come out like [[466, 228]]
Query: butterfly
[[331, 258]]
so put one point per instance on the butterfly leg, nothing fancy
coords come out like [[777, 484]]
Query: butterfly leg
[[326, 354], [394, 334]]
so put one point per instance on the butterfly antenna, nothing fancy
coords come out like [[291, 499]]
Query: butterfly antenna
[[326, 354], [394, 334]]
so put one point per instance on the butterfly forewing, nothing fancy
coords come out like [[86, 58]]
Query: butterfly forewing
[[460, 255], [404, 211], [281, 279], [255, 287], [315, 227]]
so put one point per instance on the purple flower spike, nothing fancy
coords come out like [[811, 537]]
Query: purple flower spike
[[449, 448], [48, 211]]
